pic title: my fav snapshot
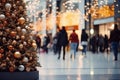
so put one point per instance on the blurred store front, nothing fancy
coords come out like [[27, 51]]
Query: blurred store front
[[96, 15], [103, 15]]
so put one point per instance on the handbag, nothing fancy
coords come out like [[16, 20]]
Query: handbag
[[84, 42]]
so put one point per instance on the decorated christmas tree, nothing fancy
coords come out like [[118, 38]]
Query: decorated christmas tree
[[17, 47]]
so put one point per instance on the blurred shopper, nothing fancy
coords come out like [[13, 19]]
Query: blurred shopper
[[114, 40], [46, 41], [106, 43], [84, 41], [38, 42], [101, 43], [56, 45], [73, 39], [62, 42]]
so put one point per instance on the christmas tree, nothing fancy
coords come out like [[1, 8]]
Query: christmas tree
[[17, 47]]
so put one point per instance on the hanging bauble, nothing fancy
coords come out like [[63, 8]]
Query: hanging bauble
[[20, 7], [17, 37], [1, 25], [5, 23], [0, 55], [30, 58], [18, 2], [25, 12], [13, 33], [10, 47], [34, 45], [25, 59], [2, 16], [8, 6], [31, 25], [28, 69], [7, 30], [22, 37], [14, 42], [1, 33], [24, 31], [11, 69], [21, 20], [18, 28], [21, 46], [17, 54], [15, 12], [1, 50], [4, 39], [7, 14], [21, 67], [13, 15], [24, 43]]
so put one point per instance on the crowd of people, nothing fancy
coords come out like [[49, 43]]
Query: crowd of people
[[97, 43]]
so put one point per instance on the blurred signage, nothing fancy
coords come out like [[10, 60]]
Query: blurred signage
[[71, 27]]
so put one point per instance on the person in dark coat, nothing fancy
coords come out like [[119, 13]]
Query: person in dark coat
[[46, 42], [62, 42], [84, 41], [38, 42], [114, 40], [56, 46], [106, 43]]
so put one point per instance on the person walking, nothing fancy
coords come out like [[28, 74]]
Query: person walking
[[84, 41], [46, 41], [38, 42], [106, 43], [62, 42], [73, 39], [114, 40], [56, 45]]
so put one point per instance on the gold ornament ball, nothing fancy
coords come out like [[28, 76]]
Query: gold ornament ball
[[5, 23], [34, 45], [22, 37], [17, 54], [18, 28], [20, 7], [13, 33], [21, 20], [7, 14], [27, 69], [10, 47], [14, 42], [7, 30], [25, 59], [0, 55], [21, 46]]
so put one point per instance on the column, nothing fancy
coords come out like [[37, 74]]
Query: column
[[44, 18], [54, 17]]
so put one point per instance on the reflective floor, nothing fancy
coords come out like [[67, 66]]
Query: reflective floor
[[99, 66]]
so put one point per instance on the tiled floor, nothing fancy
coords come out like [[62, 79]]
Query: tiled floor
[[99, 66]]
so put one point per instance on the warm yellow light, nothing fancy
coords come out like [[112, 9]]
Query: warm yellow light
[[92, 31], [70, 18]]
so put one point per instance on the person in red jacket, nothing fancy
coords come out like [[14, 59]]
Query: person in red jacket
[[73, 43]]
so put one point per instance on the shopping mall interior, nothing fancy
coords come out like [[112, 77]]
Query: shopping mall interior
[[22, 20], [97, 17]]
